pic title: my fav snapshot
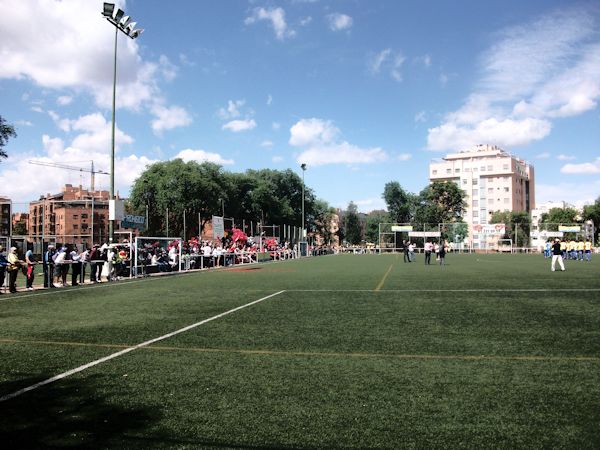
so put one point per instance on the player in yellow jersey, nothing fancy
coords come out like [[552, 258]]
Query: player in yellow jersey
[[588, 250], [580, 248]]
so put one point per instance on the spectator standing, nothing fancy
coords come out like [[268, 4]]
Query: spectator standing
[[3, 265], [405, 250], [75, 266], [48, 263], [30, 270], [557, 253], [411, 252], [442, 254], [428, 247], [13, 269], [84, 258], [59, 262]]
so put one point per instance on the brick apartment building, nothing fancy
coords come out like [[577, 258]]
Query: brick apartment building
[[75, 216]]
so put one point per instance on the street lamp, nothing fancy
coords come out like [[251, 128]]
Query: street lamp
[[124, 24], [303, 167]]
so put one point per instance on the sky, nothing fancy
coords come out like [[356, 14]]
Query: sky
[[363, 92]]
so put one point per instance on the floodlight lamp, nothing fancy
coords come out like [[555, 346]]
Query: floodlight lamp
[[119, 15], [109, 9], [123, 22], [303, 166], [129, 28], [136, 33]]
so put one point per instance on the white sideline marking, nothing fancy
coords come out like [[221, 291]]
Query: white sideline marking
[[447, 290], [130, 349]]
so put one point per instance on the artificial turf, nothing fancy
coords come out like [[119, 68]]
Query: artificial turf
[[355, 351]]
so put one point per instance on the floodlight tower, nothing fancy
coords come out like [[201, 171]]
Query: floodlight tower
[[303, 167], [124, 24]]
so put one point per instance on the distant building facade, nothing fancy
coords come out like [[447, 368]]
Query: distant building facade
[[74, 216], [493, 179], [5, 216]]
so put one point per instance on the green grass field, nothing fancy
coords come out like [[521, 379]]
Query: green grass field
[[352, 351]]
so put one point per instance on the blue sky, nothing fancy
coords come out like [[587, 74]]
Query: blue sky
[[363, 92]]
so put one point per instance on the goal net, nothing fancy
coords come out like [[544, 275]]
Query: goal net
[[156, 254]]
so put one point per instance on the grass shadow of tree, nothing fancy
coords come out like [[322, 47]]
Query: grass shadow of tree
[[68, 413]]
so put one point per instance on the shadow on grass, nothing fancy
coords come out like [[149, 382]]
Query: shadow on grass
[[68, 413]]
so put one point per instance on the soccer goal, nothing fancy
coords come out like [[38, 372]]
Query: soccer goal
[[505, 245], [156, 255]]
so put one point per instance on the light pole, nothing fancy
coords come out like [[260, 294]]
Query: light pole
[[124, 24], [303, 167]]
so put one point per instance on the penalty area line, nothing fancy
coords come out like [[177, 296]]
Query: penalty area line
[[130, 349]]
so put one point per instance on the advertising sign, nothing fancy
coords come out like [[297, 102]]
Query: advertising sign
[[131, 221], [402, 228], [218, 225], [424, 234], [495, 229], [569, 228]]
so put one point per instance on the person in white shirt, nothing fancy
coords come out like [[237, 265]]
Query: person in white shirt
[[75, 267], [411, 252], [428, 248]]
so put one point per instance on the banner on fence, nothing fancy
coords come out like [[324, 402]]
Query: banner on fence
[[496, 229], [218, 227], [402, 228], [569, 228], [546, 234], [424, 234], [131, 221]]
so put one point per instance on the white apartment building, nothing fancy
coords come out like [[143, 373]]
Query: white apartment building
[[539, 238], [493, 179]]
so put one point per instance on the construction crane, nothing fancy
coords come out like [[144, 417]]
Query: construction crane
[[91, 171]]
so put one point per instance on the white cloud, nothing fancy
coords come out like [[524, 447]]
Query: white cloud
[[168, 118], [404, 157], [201, 156], [543, 155], [37, 109], [305, 21], [275, 126], [232, 111], [277, 18], [578, 194], [92, 143], [563, 157], [71, 35], [589, 168], [389, 61], [24, 123], [321, 145], [240, 125], [277, 159], [420, 117], [269, 100], [266, 143], [64, 100], [339, 22], [533, 74]]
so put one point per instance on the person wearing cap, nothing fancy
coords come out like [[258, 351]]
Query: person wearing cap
[[48, 264], [3, 264], [30, 273], [13, 269], [557, 255]]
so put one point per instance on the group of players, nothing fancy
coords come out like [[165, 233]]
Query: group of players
[[579, 250]]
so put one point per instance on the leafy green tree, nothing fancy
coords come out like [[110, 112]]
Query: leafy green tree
[[592, 212], [564, 216], [372, 226], [518, 226], [178, 186], [445, 202], [6, 131], [19, 229], [400, 204], [322, 216], [352, 229]]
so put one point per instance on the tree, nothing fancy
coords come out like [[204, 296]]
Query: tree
[[6, 131], [352, 229], [321, 224], [19, 229], [400, 204], [445, 200], [592, 212], [566, 216], [518, 226], [372, 226]]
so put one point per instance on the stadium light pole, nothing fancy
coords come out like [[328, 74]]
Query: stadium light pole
[[303, 167], [122, 23]]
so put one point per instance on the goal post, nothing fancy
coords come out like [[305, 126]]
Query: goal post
[[146, 248]]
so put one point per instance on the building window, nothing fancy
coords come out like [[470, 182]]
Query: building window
[[491, 201], [490, 168], [505, 178], [449, 171], [506, 200], [434, 172], [506, 189], [475, 181], [476, 214], [490, 190], [475, 203], [465, 181], [75, 226], [504, 166], [483, 168], [475, 192], [456, 170]]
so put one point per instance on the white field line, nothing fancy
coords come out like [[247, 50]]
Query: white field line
[[130, 349], [448, 290]]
